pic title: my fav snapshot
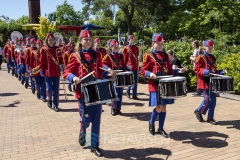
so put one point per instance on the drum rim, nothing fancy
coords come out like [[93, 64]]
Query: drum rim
[[172, 80], [124, 73], [99, 102], [96, 82], [227, 77]]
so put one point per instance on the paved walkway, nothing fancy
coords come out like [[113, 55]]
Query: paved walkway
[[30, 130]]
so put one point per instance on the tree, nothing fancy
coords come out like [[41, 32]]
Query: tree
[[23, 20], [45, 27], [66, 15]]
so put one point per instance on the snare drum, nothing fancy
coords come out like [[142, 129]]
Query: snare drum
[[124, 79], [98, 92], [222, 84], [173, 87]]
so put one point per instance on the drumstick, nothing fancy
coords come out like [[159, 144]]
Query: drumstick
[[87, 75], [219, 75], [109, 70]]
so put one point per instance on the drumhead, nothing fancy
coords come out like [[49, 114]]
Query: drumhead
[[124, 73], [172, 79], [225, 77]]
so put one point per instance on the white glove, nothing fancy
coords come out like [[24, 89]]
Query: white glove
[[76, 80], [152, 76]]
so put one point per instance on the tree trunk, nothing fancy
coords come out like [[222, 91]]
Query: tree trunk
[[129, 16]]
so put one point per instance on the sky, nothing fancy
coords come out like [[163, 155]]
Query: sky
[[15, 9]]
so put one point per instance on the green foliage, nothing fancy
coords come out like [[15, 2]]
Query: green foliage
[[66, 15], [232, 64]]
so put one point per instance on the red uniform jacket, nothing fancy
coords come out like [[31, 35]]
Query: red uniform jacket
[[150, 65], [131, 54], [34, 60], [50, 59], [114, 62], [76, 68], [66, 56], [13, 55], [8, 54], [201, 65], [5, 50], [101, 50]]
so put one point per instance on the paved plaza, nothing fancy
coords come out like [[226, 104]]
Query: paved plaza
[[30, 130]]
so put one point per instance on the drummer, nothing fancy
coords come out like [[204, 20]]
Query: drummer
[[79, 65], [154, 64], [114, 61], [206, 64]]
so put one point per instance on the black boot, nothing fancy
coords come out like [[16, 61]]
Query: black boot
[[82, 139], [113, 112], [199, 116], [8, 70], [97, 151], [118, 112], [16, 75], [69, 88], [152, 128], [212, 121], [38, 95], [163, 133], [26, 85], [19, 78], [33, 90], [22, 82], [128, 94], [135, 98], [12, 74], [56, 109], [49, 104], [44, 100]]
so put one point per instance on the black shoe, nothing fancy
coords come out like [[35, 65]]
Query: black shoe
[[56, 109], [163, 133], [16, 75], [97, 151], [82, 139], [19, 78], [44, 100], [113, 112], [33, 91], [152, 128], [26, 85], [128, 94], [22, 82], [12, 74], [212, 121], [38, 95], [8, 71], [70, 88], [118, 112], [198, 115], [49, 104], [135, 98]]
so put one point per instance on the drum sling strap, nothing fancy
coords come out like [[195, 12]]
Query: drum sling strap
[[208, 79], [116, 61], [88, 79], [162, 73]]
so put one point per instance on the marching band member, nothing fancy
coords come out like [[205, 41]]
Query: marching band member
[[28, 50], [27, 61], [5, 54], [80, 64], [11, 57], [131, 54], [28, 44], [50, 60], [206, 64], [34, 70], [114, 61], [154, 64], [108, 50], [98, 48], [70, 50]]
